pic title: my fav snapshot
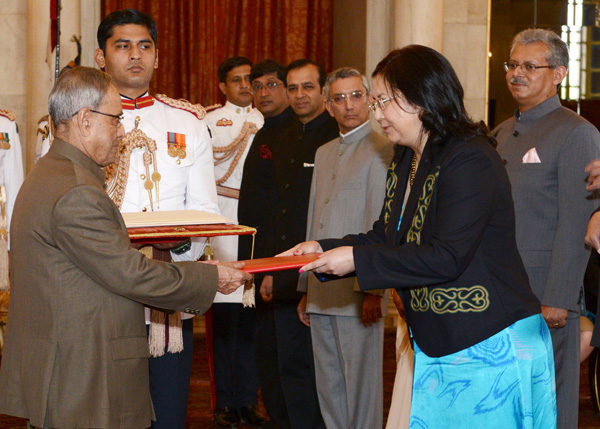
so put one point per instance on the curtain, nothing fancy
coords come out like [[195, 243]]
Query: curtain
[[195, 36]]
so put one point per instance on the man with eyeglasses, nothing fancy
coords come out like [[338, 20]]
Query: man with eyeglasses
[[76, 353], [257, 199], [170, 168], [286, 367], [233, 128], [545, 148], [347, 191]]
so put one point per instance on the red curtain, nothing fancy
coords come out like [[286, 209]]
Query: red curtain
[[195, 36]]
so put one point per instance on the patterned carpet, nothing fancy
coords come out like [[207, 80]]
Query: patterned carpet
[[200, 415]]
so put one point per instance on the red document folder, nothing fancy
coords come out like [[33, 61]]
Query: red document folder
[[280, 263]]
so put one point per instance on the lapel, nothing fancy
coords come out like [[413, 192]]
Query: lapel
[[402, 170], [413, 198]]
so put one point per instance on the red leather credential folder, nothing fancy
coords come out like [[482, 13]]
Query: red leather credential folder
[[265, 265]]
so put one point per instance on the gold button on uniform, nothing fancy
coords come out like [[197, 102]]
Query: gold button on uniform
[[143, 176], [144, 209]]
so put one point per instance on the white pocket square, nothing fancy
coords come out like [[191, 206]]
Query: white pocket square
[[308, 165], [531, 157]]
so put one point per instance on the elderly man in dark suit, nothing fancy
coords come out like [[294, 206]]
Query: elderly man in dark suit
[[76, 353], [347, 191], [546, 148]]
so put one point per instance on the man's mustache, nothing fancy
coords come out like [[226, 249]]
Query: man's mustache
[[517, 81]]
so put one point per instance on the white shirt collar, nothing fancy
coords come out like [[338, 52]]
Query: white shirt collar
[[237, 109], [343, 136]]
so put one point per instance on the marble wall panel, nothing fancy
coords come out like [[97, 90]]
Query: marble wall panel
[[13, 7], [456, 11]]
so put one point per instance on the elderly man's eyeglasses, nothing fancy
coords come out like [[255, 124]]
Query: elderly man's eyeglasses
[[527, 67], [340, 99], [381, 104], [270, 86], [119, 118]]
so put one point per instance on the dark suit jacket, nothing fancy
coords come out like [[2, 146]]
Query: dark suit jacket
[[293, 165], [257, 190], [453, 258], [552, 205], [76, 348]]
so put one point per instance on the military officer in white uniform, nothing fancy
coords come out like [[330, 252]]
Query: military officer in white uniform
[[11, 160], [236, 123], [172, 171], [233, 128]]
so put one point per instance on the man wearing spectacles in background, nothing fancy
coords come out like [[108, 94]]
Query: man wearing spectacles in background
[[233, 128], [173, 171], [284, 350], [256, 205], [347, 191], [546, 148]]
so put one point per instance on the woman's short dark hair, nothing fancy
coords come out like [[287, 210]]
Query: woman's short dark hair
[[427, 80], [124, 17]]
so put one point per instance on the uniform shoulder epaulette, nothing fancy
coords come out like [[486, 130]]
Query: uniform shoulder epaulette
[[8, 114], [195, 109], [212, 107]]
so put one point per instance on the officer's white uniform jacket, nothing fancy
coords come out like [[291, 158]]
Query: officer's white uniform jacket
[[11, 163], [186, 184], [225, 126]]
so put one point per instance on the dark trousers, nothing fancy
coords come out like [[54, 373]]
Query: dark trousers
[[170, 382], [286, 367], [236, 377]]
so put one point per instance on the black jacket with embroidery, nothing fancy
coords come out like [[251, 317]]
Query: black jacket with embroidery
[[452, 256]]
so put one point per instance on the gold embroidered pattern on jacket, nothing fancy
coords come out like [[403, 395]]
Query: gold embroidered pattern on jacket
[[450, 300], [390, 190], [459, 299], [414, 233]]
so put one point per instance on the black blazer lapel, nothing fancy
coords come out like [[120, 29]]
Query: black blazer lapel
[[403, 171], [413, 198]]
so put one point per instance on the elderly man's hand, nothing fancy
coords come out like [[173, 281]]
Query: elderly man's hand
[[301, 309], [230, 277], [555, 317], [371, 309], [593, 169], [592, 237]]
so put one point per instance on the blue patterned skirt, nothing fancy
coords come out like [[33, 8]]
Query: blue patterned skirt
[[506, 381]]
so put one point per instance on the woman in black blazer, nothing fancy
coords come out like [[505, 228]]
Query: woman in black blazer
[[445, 241]]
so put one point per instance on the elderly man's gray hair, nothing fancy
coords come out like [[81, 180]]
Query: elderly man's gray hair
[[558, 52], [76, 89], [343, 73]]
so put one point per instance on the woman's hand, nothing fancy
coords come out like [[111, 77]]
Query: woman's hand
[[303, 248], [339, 261]]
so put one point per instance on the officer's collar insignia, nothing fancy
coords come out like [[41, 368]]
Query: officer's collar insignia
[[138, 103]]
